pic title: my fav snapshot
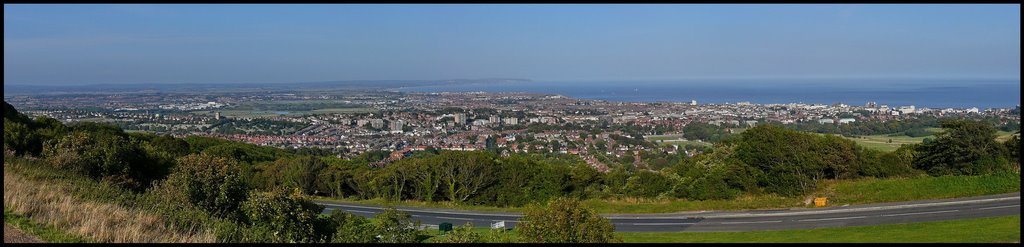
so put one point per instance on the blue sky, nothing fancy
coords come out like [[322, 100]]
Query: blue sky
[[86, 44]]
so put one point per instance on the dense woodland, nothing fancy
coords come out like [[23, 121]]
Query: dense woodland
[[252, 186]]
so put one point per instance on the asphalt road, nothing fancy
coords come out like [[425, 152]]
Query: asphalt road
[[754, 220]]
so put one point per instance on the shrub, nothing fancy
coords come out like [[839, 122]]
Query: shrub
[[917, 132], [393, 226], [349, 228], [283, 218], [898, 163], [459, 235], [103, 155], [20, 138], [648, 184], [211, 183], [966, 148], [565, 220]]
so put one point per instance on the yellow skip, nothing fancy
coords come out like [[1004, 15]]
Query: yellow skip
[[820, 201]]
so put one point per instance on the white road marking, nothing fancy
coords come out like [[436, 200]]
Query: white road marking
[[840, 218], [359, 211], [751, 222], [930, 212], [449, 218], [875, 208], [435, 211], [1009, 206], [661, 224]]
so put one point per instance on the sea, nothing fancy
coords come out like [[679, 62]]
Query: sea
[[936, 93]]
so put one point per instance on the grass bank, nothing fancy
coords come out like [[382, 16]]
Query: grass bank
[[1004, 229], [41, 231], [981, 230], [860, 191], [60, 204], [872, 190]]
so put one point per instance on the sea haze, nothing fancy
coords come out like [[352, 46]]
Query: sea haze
[[920, 93]]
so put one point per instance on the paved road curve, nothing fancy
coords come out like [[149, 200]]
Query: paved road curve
[[756, 220]]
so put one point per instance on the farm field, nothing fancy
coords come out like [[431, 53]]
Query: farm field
[[271, 113], [881, 142]]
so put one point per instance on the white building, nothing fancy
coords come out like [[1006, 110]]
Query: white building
[[460, 118], [396, 126], [906, 110], [377, 123]]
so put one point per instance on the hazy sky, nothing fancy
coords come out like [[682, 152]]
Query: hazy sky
[[84, 44]]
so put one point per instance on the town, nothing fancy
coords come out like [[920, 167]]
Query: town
[[348, 123]]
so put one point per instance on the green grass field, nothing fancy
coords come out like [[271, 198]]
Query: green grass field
[[873, 190], [257, 114], [981, 230], [662, 137], [682, 143], [1002, 136], [41, 231], [881, 142]]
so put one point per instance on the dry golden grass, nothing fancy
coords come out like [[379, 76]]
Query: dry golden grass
[[53, 205]]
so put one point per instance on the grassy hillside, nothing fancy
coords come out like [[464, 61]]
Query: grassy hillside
[[920, 188]]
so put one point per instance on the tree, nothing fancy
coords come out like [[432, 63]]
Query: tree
[[965, 148], [13, 115], [715, 175], [792, 161], [565, 220], [426, 180], [703, 131], [332, 181], [390, 181], [520, 180], [616, 179], [464, 174], [207, 182], [880, 164], [20, 138], [302, 172], [583, 180], [171, 145], [48, 129], [647, 184], [1013, 149], [101, 154]]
